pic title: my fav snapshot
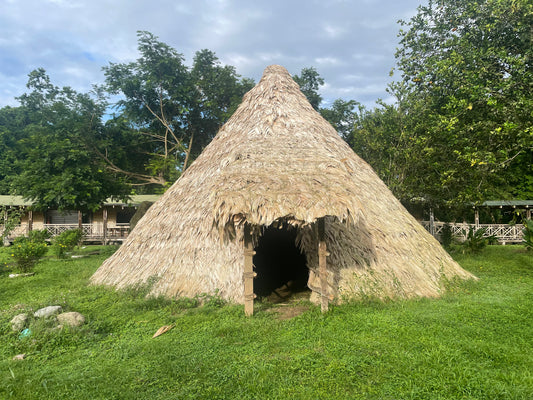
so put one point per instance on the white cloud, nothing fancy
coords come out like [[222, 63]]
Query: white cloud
[[350, 43], [328, 61], [333, 31]]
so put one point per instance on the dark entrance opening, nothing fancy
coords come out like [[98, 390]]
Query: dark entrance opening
[[280, 265]]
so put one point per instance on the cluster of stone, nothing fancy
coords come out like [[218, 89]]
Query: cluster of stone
[[71, 319]]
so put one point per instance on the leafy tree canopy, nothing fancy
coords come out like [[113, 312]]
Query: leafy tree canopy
[[310, 81], [179, 109], [464, 121], [51, 139]]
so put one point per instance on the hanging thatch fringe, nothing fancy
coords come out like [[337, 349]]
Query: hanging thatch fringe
[[277, 160]]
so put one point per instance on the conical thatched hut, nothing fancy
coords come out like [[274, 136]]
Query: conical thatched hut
[[278, 179]]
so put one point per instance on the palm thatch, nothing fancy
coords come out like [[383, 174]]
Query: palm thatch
[[277, 162]]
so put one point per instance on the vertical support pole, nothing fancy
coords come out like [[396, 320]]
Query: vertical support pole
[[80, 220], [30, 221], [528, 213], [249, 273], [431, 222], [104, 216], [322, 270], [476, 218]]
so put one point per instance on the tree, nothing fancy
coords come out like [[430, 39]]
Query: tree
[[11, 121], [386, 138], [178, 108], [342, 116], [156, 97], [217, 93], [310, 81], [55, 162], [467, 67]]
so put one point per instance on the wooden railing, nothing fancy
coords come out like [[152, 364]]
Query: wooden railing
[[88, 229], [18, 231], [91, 232], [504, 233]]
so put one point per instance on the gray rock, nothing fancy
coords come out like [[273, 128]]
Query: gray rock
[[18, 322], [47, 312], [72, 318]]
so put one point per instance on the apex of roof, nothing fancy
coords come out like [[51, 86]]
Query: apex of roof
[[276, 157]]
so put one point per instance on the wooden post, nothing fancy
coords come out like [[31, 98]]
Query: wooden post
[[476, 218], [80, 220], [528, 213], [30, 221], [322, 270], [104, 216], [249, 273]]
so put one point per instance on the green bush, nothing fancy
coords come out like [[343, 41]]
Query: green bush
[[528, 234], [27, 251], [39, 236], [66, 241], [9, 219], [475, 242], [446, 236]]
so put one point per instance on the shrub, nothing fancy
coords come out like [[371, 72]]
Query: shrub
[[492, 239], [27, 251], [9, 219], [39, 236], [66, 241], [528, 234], [475, 242], [446, 236]]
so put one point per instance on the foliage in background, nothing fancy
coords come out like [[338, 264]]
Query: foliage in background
[[27, 251], [342, 116], [177, 110], [446, 236], [10, 121], [66, 241], [528, 234], [9, 220], [475, 242], [310, 81], [55, 165], [461, 128], [467, 69], [39, 235]]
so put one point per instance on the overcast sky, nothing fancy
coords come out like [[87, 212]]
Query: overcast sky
[[350, 43]]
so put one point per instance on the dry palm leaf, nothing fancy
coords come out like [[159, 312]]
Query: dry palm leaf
[[163, 329]]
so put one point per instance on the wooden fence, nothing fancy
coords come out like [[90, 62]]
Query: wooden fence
[[91, 232], [504, 233]]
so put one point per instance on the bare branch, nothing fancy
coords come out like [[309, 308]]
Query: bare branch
[[147, 179]]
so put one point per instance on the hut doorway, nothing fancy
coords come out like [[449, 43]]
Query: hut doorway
[[280, 265]]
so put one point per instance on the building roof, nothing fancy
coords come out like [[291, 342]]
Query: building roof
[[8, 200], [508, 203]]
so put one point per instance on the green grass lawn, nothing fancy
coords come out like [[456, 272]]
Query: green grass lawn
[[476, 342]]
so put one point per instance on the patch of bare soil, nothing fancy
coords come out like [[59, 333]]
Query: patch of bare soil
[[289, 311], [289, 305]]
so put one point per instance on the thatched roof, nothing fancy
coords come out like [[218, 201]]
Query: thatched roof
[[277, 159]]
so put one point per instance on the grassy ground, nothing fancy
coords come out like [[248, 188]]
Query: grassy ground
[[474, 343]]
